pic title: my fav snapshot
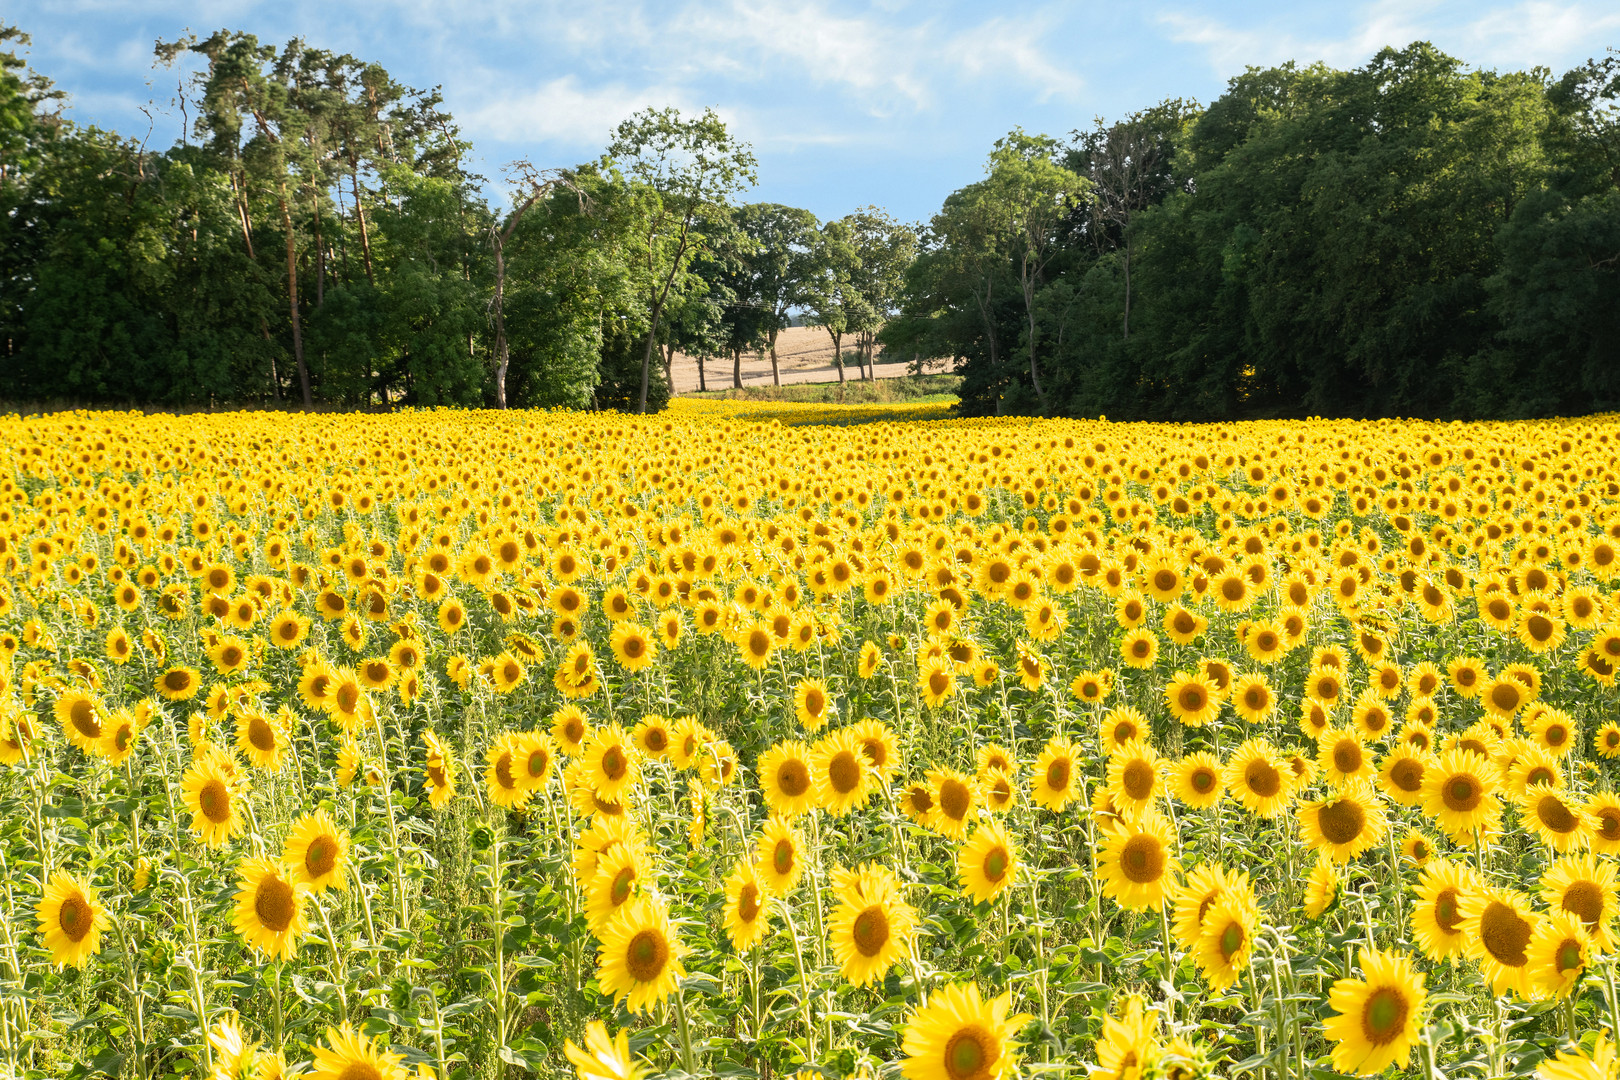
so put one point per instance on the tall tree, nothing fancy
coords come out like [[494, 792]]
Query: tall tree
[[884, 249], [828, 292], [778, 264], [682, 168]]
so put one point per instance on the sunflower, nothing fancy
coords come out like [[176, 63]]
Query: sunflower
[[1554, 730], [866, 666], [1137, 864], [349, 1055], [987, 863], [936, 681], [1199, 781], [957, 1035], [1576, 1065], [810, 704], [506, 671], [1341, 755], [1191, 699], [1459, 795], [633, 646], [639, 963], [1467, 675], [1259, 778], [576, 676], [747, 908], [604, 1057], [613, 764], [1401, 773], [917, 801], [71, 919], [652, 736], [1321, 889], [1560, 952], [452, 615], [1183, 626], [956, 797], [1226, 940], [1343, 825], [1498, 924], [439, 767], [1584, 886], [619, 873], [270, 908], [1437, 923], [1128, 1046], [570, 729], [871, 927], [1092, 687], [506, 785], [317, 851], [1553, 818], [1139, 649], [784, 777], [1379, 1016], [1253, 698], [779, 856], [1121, 725], [1371, 716], [1606, 741], [1206, 884], [206, 788], [1603, 808], [1503, 697], [1134, 779], [119, 735], [263, 740], [1417, 848], [689, 737], [179, 683], [755, 643], [880, 746]]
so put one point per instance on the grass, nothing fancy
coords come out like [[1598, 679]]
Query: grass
[[911, 389]]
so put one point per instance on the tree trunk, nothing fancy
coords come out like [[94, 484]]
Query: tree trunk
[[646, 356], [736, 369], [292, 298], [776, 374], [1127, 290], [838, 352], [501, 357], [320, 256], [1029, 310], [666, 353], [702, 385], [360, 213]]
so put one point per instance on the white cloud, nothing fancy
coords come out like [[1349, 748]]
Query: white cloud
[[1523, 35], [565, 111]]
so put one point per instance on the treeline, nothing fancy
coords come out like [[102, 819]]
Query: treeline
[[316, 236], [1409, 238]]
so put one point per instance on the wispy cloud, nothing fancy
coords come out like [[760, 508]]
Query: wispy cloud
[[567, 111]]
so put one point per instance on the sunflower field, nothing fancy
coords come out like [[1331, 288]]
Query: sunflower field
[[471, 745]]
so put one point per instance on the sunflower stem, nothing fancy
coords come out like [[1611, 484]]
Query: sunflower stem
[[131, 969], [804, 982], [276, 984], [1614, 1000], [1169, 964], [687, 1062], [336, 968], [1569, 1018], [393, 825]]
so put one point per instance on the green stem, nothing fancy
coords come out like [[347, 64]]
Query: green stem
[[687, 1062]]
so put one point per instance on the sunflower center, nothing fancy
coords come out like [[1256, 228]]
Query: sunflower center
[[1232, 939], [1137, 779], [875, 752], [1552, 812], [261, 734], [574, 730], [954, 799], [922, 801], [748, 903], [844, 772], [83, 715], [1585, 900], [1461, 793], [1505, 696], [1506, 935], [613, 763], [1202, 780], [870, 931], [1262, 779], [793, 778], [814, 703], [969, 1053], [1192, 698], [215, 802], [1184, 622], [646, 955], [1057, 775], [320, 858], [938, 683], [1341, 821], [782, 856], [633, 647], [273, 903], [1540, 627], [1142, 859], [1383, 1017], [176, 681], [1570, 956], [619, 891], [1347, 756], [1445, 911], [1407, 774], [656, 740], [76, 918], [996, 863]]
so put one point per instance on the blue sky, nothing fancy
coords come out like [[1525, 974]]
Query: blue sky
[[893, 103]]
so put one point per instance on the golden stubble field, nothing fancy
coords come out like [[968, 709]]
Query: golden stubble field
[[473, 745]]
